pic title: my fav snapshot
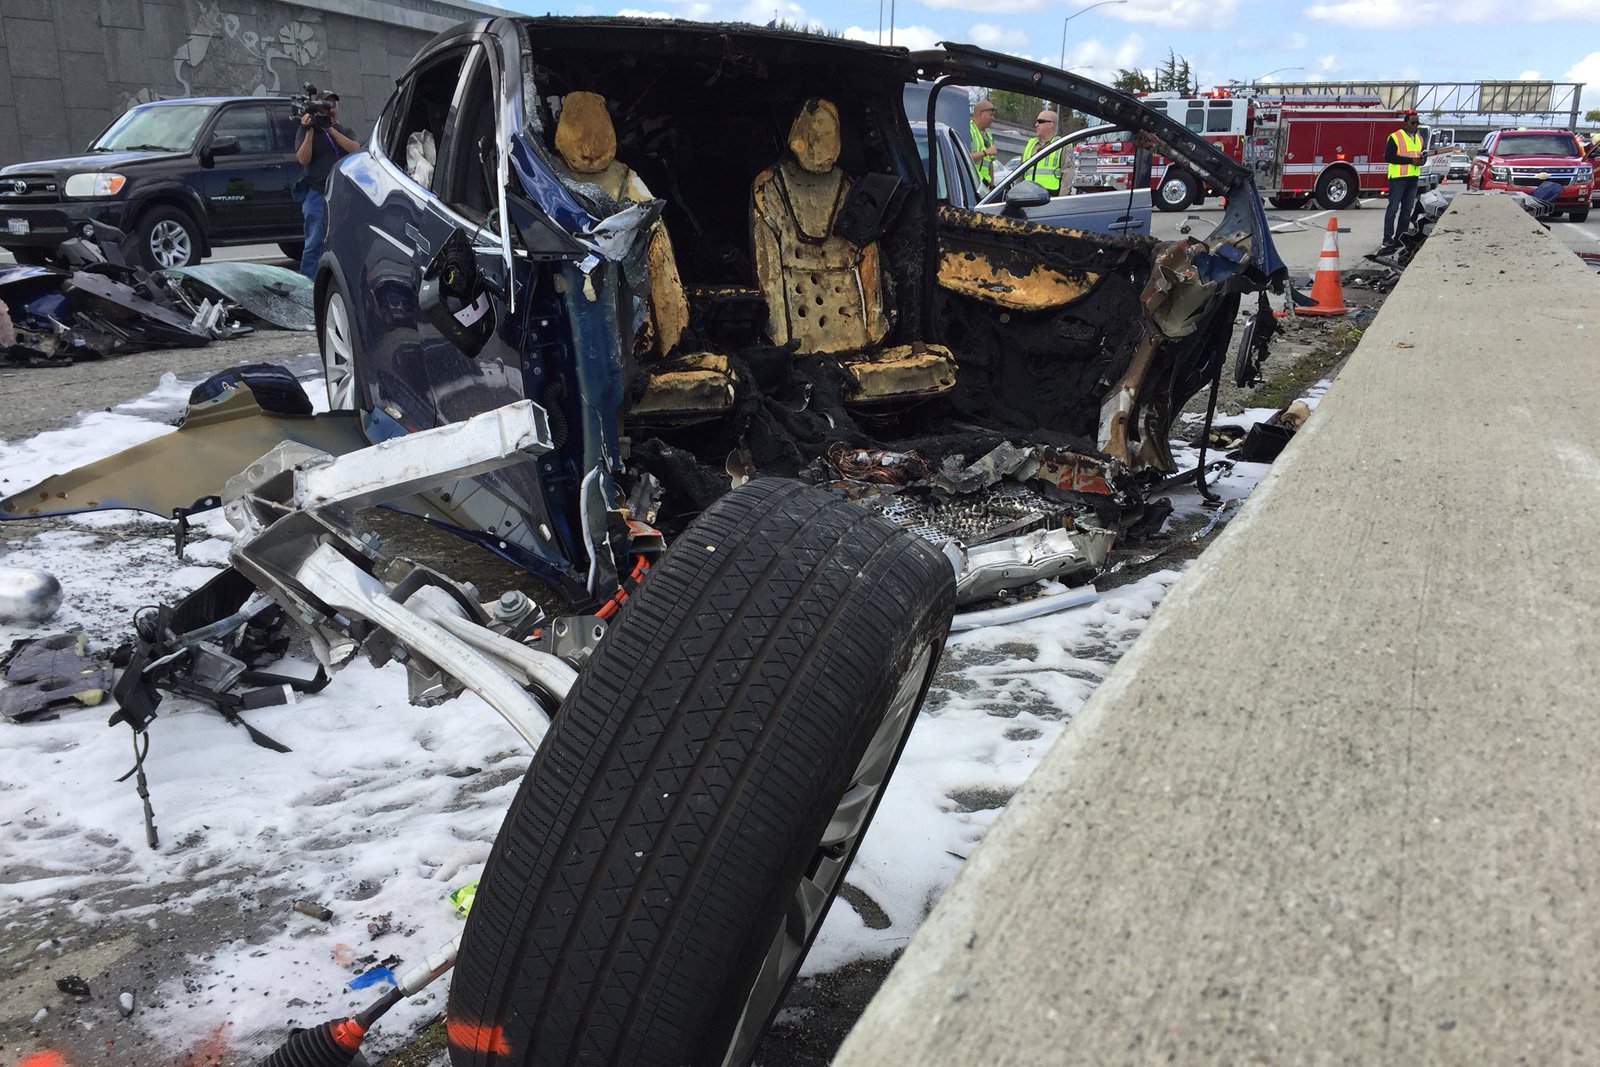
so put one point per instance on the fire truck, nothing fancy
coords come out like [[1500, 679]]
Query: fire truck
[[1301, 147]]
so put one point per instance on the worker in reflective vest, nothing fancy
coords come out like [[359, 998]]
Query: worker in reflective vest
[[1047, 172], [1403, 153], [980, 142]]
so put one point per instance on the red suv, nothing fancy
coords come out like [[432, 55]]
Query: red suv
[[1523, 160]]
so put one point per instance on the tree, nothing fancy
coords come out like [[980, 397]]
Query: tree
[[1014, 108], [1592, 115], [1174, 75], [1132, 81]]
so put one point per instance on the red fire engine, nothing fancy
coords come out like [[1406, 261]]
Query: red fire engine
[[1300, 147]]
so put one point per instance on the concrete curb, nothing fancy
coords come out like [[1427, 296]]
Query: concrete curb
[[1339, 804]]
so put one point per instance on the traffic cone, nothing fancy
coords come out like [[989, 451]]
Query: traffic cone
[[1327, 290]]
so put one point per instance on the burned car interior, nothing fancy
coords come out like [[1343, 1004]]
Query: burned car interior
[[781, 310], [708, 253]]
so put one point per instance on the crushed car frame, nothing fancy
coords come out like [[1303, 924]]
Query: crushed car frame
[[589, 278]]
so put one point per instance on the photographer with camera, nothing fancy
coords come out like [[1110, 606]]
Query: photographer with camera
[[323, 142]]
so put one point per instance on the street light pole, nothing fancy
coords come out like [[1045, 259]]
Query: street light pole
[[1063, 64], [1263, 77], [1075, 14]]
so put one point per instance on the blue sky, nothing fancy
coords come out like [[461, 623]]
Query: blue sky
[[1429, 40]]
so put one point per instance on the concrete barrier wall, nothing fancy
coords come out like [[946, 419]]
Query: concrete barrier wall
[[68, 67], [1341, 802]]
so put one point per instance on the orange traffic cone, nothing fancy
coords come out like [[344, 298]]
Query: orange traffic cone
[[1327, 290]]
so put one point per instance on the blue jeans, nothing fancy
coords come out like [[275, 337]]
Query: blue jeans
[[314, 209], [1402, 201]]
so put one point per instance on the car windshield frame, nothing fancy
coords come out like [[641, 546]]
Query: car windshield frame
[[154, 125], [1510, 145]]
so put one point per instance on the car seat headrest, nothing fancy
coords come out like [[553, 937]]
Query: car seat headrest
[[585, 137], [814, 137]]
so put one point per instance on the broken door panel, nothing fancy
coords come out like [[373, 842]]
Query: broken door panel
[[175, 472]]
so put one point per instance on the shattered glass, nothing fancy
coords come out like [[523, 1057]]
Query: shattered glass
[[275, 295]]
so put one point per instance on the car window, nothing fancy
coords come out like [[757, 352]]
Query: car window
[[469, 153], [1537, 144], [285, 127], [171, 127], [249, 125], [1219, 117], [1195, 119], [414, 129]]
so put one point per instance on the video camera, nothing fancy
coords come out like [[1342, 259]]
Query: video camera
[[312, 101]]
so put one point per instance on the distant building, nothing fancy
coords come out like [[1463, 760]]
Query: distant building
[[68, 67]]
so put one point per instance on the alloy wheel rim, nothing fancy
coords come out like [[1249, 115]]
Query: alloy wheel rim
[[170, 245], [338, 354], [1173, 190], [830, 861]]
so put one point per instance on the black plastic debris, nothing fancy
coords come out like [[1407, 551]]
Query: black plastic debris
[[73, 986], [46, 673], [129, 311]]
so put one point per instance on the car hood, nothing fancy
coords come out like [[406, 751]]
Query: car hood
[[1536, 161], [94, 161]]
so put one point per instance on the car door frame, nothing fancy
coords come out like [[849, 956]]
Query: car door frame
[[967, 65], [1123, 214], [254, 215]]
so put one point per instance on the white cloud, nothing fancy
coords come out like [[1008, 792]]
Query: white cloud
[[993, 7], [998, 38], [1528, 76], [635, 13], [1586, 70], [1405, 14], [915, 38], [1099, 61], [1175, 14]]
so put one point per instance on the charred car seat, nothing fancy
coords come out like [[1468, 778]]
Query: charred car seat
[[823, 291], [680, 385]]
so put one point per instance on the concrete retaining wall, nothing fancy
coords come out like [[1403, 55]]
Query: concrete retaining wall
[[68, 67], [1341, 803]]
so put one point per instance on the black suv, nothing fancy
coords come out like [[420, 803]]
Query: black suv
[[180, 176]]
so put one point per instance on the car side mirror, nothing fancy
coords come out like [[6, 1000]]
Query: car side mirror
[[1025, 194], [218, 146]]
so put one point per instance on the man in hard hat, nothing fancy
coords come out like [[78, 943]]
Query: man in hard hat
[[1403, 153]]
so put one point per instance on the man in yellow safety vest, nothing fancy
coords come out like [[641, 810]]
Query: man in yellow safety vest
[[1047, 172], [980, 142], [1403, 153]]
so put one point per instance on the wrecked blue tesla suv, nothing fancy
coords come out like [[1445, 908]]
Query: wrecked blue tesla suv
[[599, 286], [707, 252]]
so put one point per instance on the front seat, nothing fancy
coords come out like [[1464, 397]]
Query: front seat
[[679, 386], [824, 292]]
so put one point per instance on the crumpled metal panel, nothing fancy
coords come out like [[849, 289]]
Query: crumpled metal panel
[[149, 322], [275, 295], [173, 472]]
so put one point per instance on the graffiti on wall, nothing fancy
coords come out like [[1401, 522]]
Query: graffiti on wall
[[224, 54], [228, 53]]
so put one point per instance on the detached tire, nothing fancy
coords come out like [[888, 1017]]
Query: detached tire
[[685, 825]]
